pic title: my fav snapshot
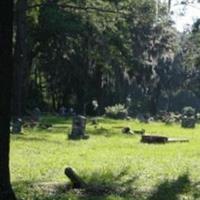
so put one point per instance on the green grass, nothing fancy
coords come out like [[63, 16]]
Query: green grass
[[114, 165]]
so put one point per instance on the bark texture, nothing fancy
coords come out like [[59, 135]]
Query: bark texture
[[6, 71]]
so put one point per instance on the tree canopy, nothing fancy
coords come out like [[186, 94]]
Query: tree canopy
[[106, 50]]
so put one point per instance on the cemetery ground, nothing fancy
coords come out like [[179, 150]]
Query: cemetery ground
[[115, 166]]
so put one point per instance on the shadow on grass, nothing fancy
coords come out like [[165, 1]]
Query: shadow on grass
[[35, 139], [51, 119], [109, 186], [172, 189], [53, 130], [61, 124], [99, 186], [107, 132], [101, 131]]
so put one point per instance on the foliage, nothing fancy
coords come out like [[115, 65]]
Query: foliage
[[183, 98], [108, 50], [117, 111], [188, 111], [105, 53]]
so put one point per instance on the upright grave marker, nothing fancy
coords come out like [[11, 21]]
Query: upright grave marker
[[188, 117], [78, 128]]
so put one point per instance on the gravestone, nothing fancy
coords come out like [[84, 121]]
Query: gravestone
[[72, 112], [153, 139], [128, 104], [94, 121], [156, 139], [142, 118], [78, 128], [16, 126], [188, 118], [188, 122], [36, 113], [77, 181], [127, 130], [63, 111], [95, 105]]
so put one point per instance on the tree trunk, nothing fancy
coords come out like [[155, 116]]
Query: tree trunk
[[169, 5], [53, 102], [6, 71], [21, 62], [154, 99], [80, 102]]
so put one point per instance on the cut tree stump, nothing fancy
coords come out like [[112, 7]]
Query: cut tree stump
[[160, 139], [75, 178], [127, 130]]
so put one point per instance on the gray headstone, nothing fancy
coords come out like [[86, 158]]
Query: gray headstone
[[63, 111], [37, 113], [188, 122], [188, 117], [78, 128], [16, 126]]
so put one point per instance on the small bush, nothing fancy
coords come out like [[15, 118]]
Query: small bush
[[198, 117], [188, 111], [117, 111]]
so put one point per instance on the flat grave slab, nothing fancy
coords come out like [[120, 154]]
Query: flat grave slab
[[161, 139]]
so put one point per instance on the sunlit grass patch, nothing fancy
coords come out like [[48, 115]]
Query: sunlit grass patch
[[40, 156]]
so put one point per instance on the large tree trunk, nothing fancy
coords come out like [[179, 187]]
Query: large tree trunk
[[6, 70], [21, 62], [169, 5], [154, 99]]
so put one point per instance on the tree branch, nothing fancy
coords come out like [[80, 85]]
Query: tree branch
[[87, 8]]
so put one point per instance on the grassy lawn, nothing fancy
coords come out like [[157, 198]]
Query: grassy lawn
[[115, 166]]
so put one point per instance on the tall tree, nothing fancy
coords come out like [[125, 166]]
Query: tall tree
[[6, 70], [21, 64]]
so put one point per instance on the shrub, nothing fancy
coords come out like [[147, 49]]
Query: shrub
[[117, 111], [198, 117], [188, 111]]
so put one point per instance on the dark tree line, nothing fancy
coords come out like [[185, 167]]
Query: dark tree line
[[72, 56], [70, 53], [75, 52]]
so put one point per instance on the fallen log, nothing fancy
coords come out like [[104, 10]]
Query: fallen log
[[75, 178]]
